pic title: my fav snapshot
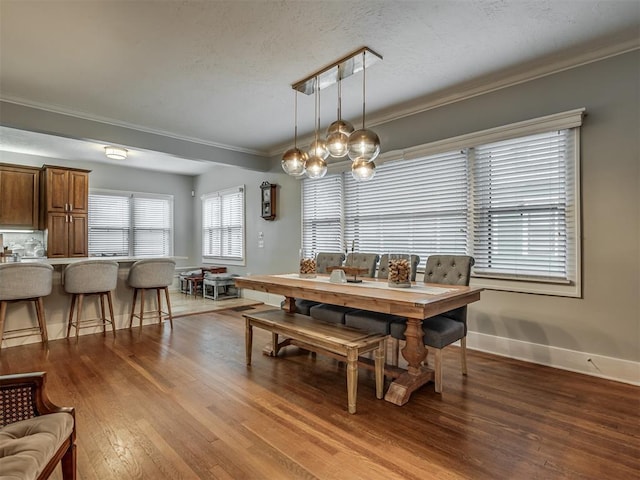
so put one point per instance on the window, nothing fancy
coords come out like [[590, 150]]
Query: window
[[506, 196], [223, 226], [130, 224]]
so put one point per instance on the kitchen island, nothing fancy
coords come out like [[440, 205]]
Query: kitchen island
[[58, 304]]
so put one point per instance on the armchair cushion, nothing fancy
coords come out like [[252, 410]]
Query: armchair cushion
[[26, 447]]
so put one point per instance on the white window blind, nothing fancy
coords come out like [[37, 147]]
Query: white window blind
[[223, 225], [418, 206], [109, 225], [521, 209], [322, 215], [130, 224], [152, 226]]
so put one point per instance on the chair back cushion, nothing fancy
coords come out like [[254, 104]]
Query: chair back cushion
[[363, 260], [325, 259], [25, 280], [450, 270], [152, 273], [91, 276]]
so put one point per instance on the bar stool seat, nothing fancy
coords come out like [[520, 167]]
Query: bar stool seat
[[28, 282], [90, 277], [151, 274]]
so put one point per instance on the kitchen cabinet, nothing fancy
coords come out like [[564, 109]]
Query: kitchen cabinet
[[19, 196], [65, 214]]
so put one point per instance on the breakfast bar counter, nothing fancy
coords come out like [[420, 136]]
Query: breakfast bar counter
[[57, 305]]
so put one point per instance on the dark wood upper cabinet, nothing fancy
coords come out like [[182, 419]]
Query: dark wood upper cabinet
[[19, 196], [66, 203]]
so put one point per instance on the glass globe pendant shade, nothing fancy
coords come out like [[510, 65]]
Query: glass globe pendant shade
[[338, 138], [318, 148], [315, 167], [363, 144], [293, 162], [363, 170]]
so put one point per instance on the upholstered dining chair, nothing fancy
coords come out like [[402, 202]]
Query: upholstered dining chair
[[337, 313], [323, 261], [376, 322], [448, 327]]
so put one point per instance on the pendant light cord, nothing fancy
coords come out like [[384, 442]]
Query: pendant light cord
[[364, 83], [317, 109], [295, 116]]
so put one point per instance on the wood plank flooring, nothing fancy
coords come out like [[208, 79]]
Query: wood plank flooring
[[156, 403]]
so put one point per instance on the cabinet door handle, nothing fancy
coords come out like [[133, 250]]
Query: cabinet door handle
[[71, 207], [70, 218]]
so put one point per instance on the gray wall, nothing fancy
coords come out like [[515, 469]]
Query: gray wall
[[282, 236]]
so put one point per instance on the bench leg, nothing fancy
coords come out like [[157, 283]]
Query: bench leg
[[248, 340], [352, 378], [379, 361]]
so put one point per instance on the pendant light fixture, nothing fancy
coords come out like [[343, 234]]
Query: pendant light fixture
[[315, 166], [339, 131], [363, 144], [294, 158]]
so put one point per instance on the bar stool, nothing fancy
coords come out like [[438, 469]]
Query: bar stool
[[21, 282], [90, 277], [152, 274]]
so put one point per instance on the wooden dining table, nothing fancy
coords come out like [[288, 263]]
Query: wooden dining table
[[421, 301]]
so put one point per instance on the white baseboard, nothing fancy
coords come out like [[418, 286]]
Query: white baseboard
[[591, 364]]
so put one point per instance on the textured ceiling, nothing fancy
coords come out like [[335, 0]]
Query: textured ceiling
[[219, 72]]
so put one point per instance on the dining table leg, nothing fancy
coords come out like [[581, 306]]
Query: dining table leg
[[417, 374]]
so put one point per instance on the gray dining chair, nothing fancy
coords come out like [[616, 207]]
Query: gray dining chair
[[376, 322], [448, 327], [337, 313], [323, 261]]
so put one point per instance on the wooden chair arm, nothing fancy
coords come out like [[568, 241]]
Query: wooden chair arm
[[23, 396]]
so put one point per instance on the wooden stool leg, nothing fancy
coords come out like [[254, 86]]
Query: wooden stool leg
[[352, 379], [73, 306], [159, 300], [141, 305], [79, 315], [113, 320], [166, 294], [3, 314], [133, 306], [41, 322], [103, 318]]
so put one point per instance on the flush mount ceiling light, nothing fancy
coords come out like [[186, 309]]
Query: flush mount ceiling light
[[116, 153], [362, 146]]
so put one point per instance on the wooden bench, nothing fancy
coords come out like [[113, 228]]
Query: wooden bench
[[326, 338]]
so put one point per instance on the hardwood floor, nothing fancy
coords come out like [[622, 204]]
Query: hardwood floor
[[157, 403]]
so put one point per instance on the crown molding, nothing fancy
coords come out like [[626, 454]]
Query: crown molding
[[109, 121]]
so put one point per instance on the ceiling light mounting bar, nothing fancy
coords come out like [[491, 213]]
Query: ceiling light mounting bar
[[343, 68]]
